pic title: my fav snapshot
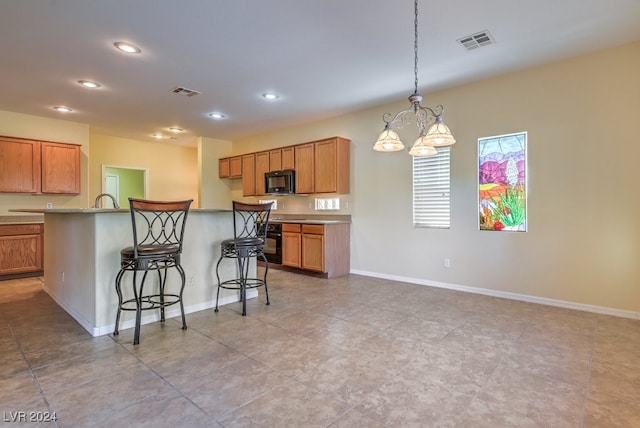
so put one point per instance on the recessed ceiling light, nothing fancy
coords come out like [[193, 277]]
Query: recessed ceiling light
[[127, 47], [62, 109], [89, 84], [159, 136], [270, 96], [175, 129], [217, 115]]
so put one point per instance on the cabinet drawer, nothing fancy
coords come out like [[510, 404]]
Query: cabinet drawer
[[317, 229], [290, 227], [19, 229]]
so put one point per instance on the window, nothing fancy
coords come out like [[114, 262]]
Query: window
[[431, 190]]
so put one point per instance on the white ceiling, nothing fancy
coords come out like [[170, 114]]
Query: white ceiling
[[324, 57]]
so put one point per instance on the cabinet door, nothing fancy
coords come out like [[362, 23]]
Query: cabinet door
[[313, 252], [21, 249], [325, 167], [291, 249], [288, 158], [60, 168], [275, 160], [332, 166], [19, 165], [304, 154], [262, 166], [223, 168], [248, 175], [235, 167]]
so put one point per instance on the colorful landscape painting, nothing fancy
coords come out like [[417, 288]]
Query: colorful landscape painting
[[502, 190]]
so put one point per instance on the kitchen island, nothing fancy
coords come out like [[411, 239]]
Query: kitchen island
[[82, 258]]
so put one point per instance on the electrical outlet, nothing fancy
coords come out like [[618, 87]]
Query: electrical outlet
[[49, 205], [191, 280], [446, 263]]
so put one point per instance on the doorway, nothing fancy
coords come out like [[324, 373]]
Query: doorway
[[124, 183]]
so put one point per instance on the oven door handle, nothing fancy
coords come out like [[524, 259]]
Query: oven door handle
[[271, 234]]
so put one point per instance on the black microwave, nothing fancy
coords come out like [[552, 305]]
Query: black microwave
[[280, 182]]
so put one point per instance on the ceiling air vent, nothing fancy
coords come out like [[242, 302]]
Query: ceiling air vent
[[185, 91], [476, 40]]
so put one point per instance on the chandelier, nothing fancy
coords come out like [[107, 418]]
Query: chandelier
[[432, 132]]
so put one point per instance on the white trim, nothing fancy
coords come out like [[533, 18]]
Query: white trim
[[504, 294]]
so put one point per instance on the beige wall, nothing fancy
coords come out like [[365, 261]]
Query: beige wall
[[171, 169], [41, 128], [214, 193], [583, 243]]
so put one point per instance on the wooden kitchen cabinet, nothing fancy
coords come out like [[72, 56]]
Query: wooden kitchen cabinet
[[275, 160], [262, 167], [235, 167], [223, 168], [30, 166], [304, 166], [313, 247], [321, 167], [21, 250], [320, 248], [19, 165], [291, 248], [249, 175], [230, 167], [288, 158], [60, 168], [331, 172]]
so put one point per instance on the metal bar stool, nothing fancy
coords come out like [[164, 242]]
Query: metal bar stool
[[158, 231], [250, 223]]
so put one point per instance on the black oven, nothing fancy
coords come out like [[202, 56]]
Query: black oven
[[273, 246]]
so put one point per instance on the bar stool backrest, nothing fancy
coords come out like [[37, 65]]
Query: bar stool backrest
[[158, 225], [250, 220]]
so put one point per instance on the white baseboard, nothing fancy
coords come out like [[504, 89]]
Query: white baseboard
[[504, 294]]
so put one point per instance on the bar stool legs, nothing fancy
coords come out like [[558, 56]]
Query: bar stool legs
[[145, 302]]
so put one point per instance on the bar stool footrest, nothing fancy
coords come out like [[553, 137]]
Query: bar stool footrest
[[151, 301]]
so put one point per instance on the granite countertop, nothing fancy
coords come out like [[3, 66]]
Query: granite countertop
[[21, 219]]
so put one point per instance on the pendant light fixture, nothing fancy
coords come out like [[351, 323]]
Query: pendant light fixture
[[430, 137]]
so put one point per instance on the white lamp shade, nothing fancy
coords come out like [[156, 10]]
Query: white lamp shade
[[438, 135], [388, 141], [421, 148]]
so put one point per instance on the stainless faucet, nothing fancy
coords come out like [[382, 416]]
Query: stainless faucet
[[101, 195]]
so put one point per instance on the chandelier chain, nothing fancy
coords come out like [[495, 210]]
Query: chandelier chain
[[415, 47]]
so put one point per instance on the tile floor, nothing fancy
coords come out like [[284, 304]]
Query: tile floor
[[347, 352]]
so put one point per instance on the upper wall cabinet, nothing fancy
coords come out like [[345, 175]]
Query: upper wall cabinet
[[230, 167], [19, 165], [331, 172], [249, 175], [304, 168], [60, 168], [28, 166], [321, 167]]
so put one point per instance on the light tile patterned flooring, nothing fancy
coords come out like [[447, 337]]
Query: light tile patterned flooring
[[347, 352]]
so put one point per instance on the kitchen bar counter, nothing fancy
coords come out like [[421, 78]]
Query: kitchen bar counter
[[82, 259]]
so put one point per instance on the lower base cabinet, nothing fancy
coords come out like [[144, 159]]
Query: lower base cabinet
[[21, 250], [322, 248]]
